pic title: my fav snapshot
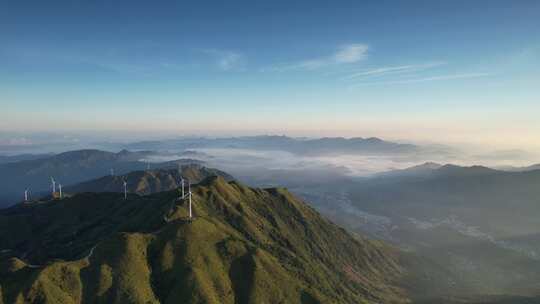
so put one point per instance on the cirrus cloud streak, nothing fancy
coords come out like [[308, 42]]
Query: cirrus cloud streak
[[344, 54]]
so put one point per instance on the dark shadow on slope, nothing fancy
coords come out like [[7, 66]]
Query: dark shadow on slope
[[242, 278], [307, 298]]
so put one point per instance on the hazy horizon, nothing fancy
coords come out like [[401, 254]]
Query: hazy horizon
[[459, 73], [355, 163]]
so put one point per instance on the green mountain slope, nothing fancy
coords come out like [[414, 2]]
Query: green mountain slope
[[149, 181], [244, 245]]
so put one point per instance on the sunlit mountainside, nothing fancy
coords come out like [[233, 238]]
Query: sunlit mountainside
[[243, 245]]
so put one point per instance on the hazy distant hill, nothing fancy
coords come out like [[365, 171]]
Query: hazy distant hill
[[434, 170], [466, 191], [68, 168], [148, 181], [245, 245], [20, 157], [424, 169], [320, 146], [520, 169], [483, 225]]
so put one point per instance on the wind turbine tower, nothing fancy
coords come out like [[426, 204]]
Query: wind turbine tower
[[182, 183], [26, 195], [53, 185], [125, 190], [60, 189], [181, 179], [189, 194]]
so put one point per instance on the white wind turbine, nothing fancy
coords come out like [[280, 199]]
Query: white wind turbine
[[53, 185], [182, 183], [189, 194], [125, 190], [60, 189], [181, 180], [26, 195]]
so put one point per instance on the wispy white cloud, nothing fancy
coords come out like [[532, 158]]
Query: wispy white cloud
[[382, 71], [425, 79], [351, 53], [345, 54], [226, 60]]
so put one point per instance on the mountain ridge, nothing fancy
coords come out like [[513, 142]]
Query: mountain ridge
[[433, 169], [245, 245], [303, 146]]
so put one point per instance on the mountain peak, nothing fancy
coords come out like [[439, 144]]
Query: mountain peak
[[123, 152], [428, 166], [450, 169], [374, 140]]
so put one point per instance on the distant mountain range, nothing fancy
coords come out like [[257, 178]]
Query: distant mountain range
[[70, 168], [432, 170], [433, 191], [481, 224], [244, 245], [304, 146]]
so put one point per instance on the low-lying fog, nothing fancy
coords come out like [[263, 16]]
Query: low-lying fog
[[243, 161], [237, 159]]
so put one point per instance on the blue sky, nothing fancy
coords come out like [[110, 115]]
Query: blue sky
[[456, 71]]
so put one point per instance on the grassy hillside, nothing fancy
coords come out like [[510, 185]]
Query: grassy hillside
[[244, 245], [149, 181]]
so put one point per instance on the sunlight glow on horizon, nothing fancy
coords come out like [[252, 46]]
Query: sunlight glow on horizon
[[351, 75]]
